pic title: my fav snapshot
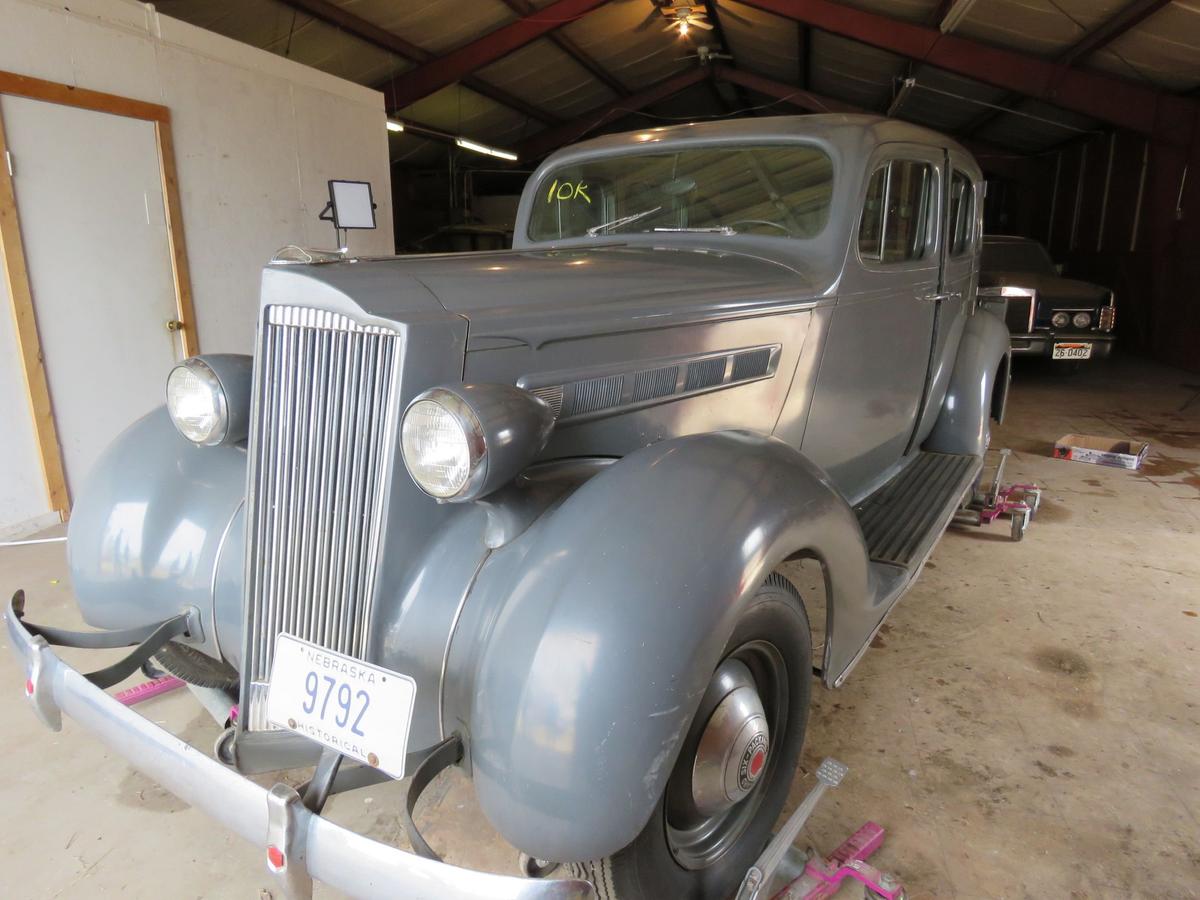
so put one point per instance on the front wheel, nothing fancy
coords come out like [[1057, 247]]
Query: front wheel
[[735, 766]]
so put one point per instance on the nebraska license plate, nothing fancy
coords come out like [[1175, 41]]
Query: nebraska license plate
[[358, 709], [1071, 351]]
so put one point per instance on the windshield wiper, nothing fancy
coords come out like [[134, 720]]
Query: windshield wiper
[[713, 229], [624, 220]]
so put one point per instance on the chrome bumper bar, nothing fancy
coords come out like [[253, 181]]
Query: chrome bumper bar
[[298, 846], [1042, 343]]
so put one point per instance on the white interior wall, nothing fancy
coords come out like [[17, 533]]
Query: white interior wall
[[256, 139]]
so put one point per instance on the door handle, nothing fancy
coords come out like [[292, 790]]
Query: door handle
[[935, 298]]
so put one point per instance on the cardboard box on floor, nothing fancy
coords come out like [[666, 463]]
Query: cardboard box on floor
[[1101, 451]]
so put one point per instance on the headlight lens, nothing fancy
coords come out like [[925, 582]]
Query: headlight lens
[[1060, 319], [197, 403], [1082, 320], [442, 445]]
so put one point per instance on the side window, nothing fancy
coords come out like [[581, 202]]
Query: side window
[[961, 217], [897, 212], [870, 231]]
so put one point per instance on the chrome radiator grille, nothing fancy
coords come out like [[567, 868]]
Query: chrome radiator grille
[[321, 450]]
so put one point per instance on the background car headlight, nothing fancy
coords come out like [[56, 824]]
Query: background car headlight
[[1060, 319], [462, 442], [442, 444], [1082, 320], [197, 403]]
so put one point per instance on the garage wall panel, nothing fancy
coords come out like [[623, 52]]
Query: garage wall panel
[[1129, 160], [23, 504], [1091, 201]]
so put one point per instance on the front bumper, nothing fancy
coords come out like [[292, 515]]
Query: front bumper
[[312, 846], [1042, 343]]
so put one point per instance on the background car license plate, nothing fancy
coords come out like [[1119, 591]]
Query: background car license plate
[[361, 710], [1071, 351]]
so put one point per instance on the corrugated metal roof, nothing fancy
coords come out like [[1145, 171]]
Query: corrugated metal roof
[[434, 25], [281, 29], [632, 47], [1035, 26], [1165, 49], [571, 91], [761, 42], [948, 102], [625, 38], [850, 71]]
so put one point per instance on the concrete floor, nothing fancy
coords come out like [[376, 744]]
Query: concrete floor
[[1026, 726]]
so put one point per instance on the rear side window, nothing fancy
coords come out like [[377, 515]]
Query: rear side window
[[896, 214], [961, 215]]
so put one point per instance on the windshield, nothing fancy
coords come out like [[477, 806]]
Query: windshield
[[1016, 256], [782, 190]]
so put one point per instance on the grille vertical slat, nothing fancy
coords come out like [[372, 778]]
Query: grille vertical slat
[[321, 457]]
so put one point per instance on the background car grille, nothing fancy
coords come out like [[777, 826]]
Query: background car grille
[[321, 451]]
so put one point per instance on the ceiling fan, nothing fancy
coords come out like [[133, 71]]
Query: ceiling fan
[[682, 18], [706, 55]]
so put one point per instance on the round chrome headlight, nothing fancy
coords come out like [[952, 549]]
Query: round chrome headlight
[[442, 444], [1082, 320], [1060, 319], [461, 442], [196, 402]]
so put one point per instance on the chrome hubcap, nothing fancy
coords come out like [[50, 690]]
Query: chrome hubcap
[[716, 788], [733, 747]]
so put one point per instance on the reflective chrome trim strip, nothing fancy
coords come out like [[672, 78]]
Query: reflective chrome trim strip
[[462, 602], [578, 395], [212, 586], [353, 863]]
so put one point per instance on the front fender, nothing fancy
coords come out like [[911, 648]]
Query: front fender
[[153, 530], [585, 645], [962, 425]]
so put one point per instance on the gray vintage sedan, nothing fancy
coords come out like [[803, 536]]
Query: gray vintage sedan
[[524, 512]]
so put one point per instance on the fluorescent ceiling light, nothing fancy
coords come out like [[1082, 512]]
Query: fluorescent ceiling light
[[955, 15], [483, 148], [393, 125]]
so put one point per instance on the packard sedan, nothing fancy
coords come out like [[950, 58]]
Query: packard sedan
[[525, 512]]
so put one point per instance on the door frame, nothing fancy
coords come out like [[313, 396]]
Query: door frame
[[16, 272]]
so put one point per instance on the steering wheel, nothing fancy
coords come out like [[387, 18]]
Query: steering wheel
[[781, 227]]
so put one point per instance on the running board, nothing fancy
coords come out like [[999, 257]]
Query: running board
[[904, 518], [901, 522]]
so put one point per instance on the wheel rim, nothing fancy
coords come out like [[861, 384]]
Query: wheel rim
[[703, 822]]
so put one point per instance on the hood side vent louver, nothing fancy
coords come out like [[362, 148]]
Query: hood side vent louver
[[650, 384], [553, 396], [705, 373], [592, 395], [751, 364]]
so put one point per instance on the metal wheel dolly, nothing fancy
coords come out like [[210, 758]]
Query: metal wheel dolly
[[1019, 502], [783, 872]]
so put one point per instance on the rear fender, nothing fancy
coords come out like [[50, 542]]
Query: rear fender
[[983, 353], [585, 645]]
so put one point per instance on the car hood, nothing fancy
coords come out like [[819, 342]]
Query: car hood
[[528, 297], [469, 283], [1051, 289]]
